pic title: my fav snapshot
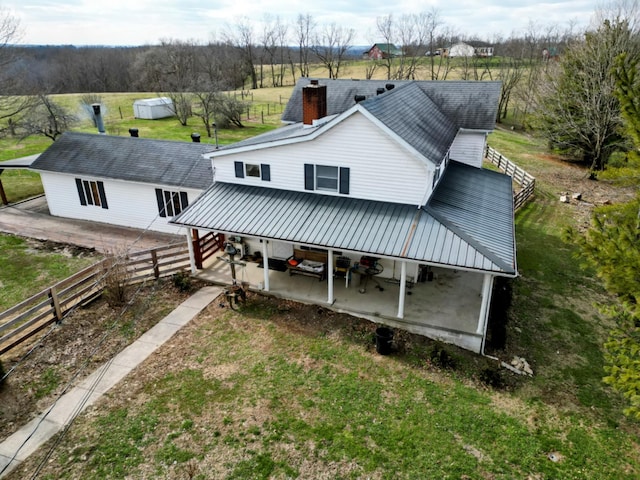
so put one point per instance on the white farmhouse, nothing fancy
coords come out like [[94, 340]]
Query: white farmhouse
[[387, 179]]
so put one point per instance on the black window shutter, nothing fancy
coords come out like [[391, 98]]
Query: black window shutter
[[88, 194], [308, 176], [239, 169], [160, 199], [168, 203], [103, 196], [265, 171], [184, 201], [344, 180], [83, 200]]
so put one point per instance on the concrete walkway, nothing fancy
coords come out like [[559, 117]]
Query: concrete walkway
[[19, 446], [31, 218]]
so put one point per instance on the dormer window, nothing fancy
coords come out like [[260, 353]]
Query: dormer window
[[252, 170], [261, 170], [326, 178]]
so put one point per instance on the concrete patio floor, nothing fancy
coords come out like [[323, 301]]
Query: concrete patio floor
[[446, 308]]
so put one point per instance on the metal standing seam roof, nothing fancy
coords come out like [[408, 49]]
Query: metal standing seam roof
[[158, 162], [343, 223]]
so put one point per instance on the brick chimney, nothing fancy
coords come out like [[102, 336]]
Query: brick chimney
[[314, 102]]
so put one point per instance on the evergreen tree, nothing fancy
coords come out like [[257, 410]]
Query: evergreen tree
[[611, 246]]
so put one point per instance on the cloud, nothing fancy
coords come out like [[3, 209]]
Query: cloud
[[120, 22]]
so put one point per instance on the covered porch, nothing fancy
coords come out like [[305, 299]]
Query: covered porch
[[448, 307]]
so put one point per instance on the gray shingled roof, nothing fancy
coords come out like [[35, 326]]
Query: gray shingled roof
[[376, 228], [158, 162], [414, 117], [406, 110], [467, 104]]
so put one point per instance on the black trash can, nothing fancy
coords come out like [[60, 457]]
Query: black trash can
[[384, 338]]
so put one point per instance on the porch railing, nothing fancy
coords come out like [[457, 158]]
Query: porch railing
[[204, 247], [526, 181]]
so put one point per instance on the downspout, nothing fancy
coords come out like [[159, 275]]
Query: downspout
[[403, 288], [265, 264], [330, 298]]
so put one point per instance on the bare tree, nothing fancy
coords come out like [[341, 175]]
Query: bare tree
[[230, 110], [281, 37], [205, 107], [269, 41], [11, 75], [305, 33], [242, 36], [432, 25], [331, 47], [511, 71], [440, 63], [171, 70], [577, 110], [45, 117], [387, 31]]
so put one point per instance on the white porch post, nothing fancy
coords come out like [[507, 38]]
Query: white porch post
[[330, 277], [487, 288], [265, 264], [403, 288], [192, 258]]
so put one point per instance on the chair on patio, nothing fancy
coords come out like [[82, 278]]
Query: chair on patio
[[342, 269]]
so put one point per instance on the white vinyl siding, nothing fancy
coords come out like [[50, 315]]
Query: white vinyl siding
[[468, 148], [130, 204], [380, 168]]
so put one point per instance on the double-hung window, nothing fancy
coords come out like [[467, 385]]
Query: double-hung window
[[171, 203], [91, 192], [256, 170], [326, 178]]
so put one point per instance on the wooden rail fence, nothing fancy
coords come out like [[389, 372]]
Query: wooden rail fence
[[526, 182], [51, 305]]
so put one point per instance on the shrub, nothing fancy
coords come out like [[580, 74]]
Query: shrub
[[492, 376], [441, 357], [116, 278], [183, 281]]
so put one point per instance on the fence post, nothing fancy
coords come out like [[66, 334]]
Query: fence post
[[154, 261], [55, 303]]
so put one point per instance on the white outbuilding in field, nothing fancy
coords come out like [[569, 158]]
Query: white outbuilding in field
[[153, 108]]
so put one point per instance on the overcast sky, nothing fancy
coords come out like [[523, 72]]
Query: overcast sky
[[140, 22]]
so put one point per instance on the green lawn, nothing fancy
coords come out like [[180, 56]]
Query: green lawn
[[26, 270]]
